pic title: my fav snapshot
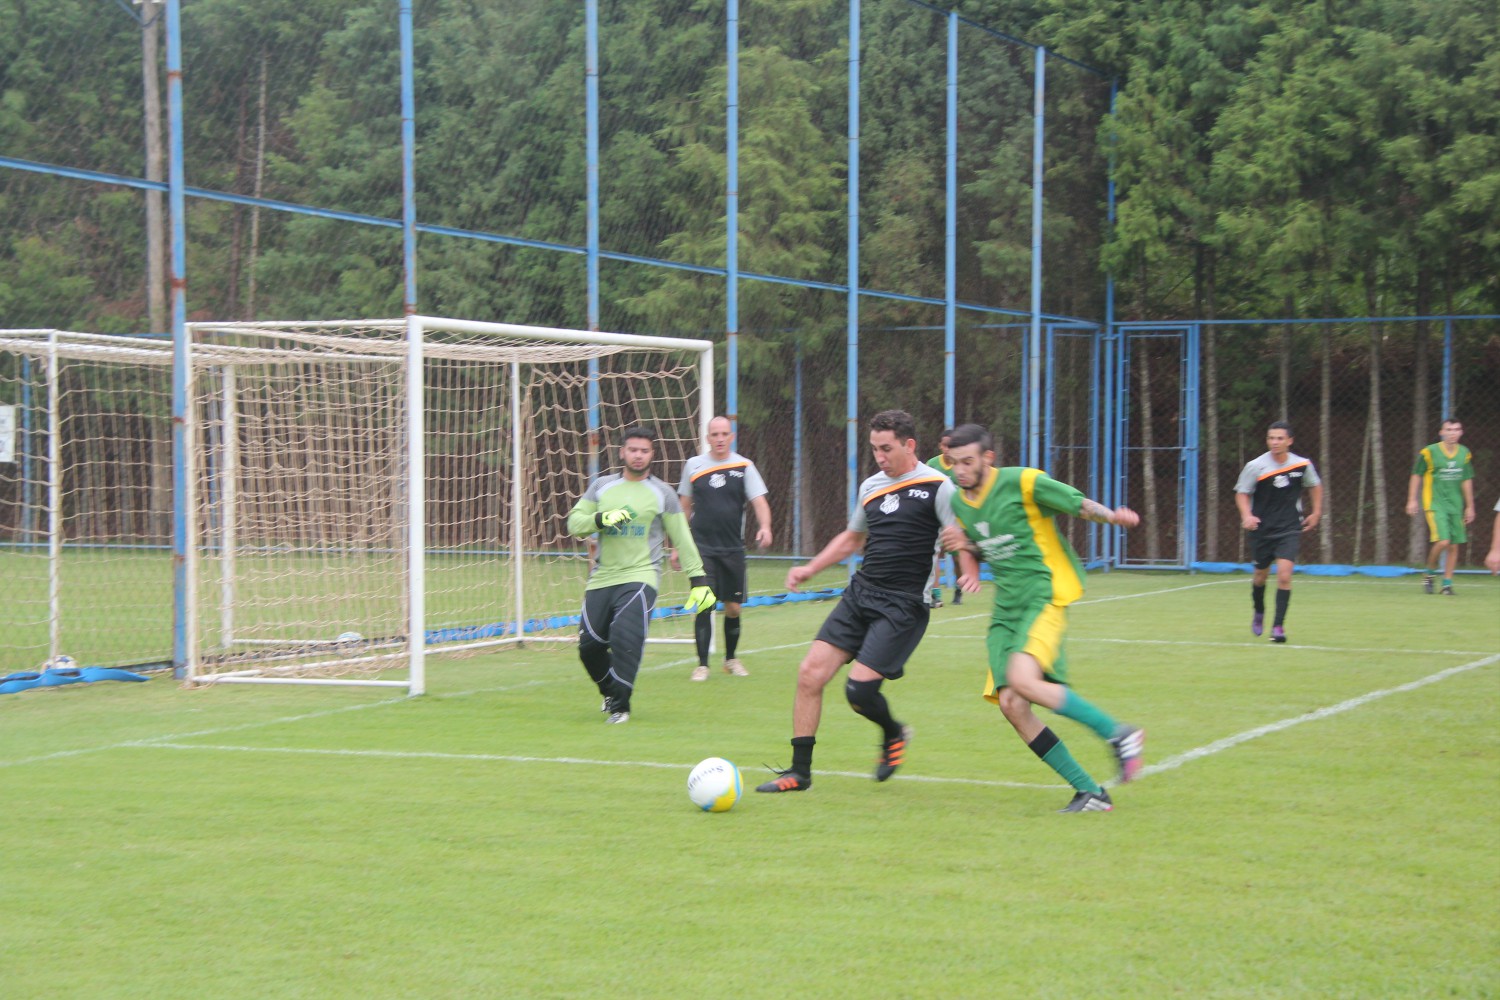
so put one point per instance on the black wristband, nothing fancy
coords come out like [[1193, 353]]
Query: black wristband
[[598, 518], [697, 581]]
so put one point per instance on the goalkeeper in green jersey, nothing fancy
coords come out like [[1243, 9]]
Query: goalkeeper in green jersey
[[1444, 475], [1007, 518], [634, 514]]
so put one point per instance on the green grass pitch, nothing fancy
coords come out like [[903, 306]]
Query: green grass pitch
[[1315, 820]]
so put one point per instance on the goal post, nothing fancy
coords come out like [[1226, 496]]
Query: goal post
[[359, 493], [366, 492]]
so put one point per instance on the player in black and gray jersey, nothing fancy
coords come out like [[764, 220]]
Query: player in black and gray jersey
[[882, 615], [714, 490], [1269, 497]]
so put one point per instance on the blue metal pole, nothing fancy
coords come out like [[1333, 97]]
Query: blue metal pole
[[1024, 451], [950, 235], [1094, 489], [1034, 375], [408, 160], [797, 453], [851, 408], [1191, 416], [732, 218], [1108, 487], [591, 237], [1049, 395], [1447, 369], [28, 510], [177, 209]]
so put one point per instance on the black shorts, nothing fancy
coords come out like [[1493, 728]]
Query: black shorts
[[1265, 551], [726, 574], [879, 628]]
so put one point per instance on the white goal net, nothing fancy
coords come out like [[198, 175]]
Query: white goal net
[[364, 492]]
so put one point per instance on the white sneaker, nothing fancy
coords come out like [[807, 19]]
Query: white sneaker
[[700, 673], [618, 717], [734, 668]]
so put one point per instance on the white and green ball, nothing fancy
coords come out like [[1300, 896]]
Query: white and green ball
[[714, 785]]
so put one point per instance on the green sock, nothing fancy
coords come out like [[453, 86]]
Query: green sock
[[1056, 756], [1080, 710]]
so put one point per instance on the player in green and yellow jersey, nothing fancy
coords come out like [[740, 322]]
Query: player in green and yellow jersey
[[1007, 517], [1444, 474]]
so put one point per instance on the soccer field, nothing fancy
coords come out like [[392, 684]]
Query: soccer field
[[1315, 820]]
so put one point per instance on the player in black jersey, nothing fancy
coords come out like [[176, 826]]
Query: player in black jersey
[[714, 490], [882, 616]]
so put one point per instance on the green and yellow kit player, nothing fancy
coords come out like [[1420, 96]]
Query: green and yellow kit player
[[1007, 517], [1444, 477]]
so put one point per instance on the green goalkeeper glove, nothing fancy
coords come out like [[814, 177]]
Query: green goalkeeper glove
[[700, 598], [613, 518]]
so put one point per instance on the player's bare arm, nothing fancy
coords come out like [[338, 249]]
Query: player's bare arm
[[1124, 517], [763, 519], [1248, 521], [953, 539], [845, 544], [1315, 497]]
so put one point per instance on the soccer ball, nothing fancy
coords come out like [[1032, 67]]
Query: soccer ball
[[61, 662], [349, 638], [714, 785]]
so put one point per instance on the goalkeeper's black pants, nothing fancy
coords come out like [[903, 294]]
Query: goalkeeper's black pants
[[612, 637]]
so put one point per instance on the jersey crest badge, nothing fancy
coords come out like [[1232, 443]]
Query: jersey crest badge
[[1281, 482], [890, 504], [717, 480]]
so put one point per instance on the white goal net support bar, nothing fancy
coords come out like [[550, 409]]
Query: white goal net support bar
[[363, 492]]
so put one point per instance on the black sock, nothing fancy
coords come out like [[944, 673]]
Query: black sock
[[1258, 598], [1283, 598], [731, 636], [802, 748], [703, 634]]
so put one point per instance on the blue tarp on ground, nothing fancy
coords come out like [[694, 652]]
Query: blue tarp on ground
[[25, 680], [1313, 569]]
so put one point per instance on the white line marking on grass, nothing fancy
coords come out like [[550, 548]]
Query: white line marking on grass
[[522, 759], [149, 740], [1154, 593], [1261, 644], [1322, 713]]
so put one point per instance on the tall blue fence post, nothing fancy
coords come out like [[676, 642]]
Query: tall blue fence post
[[591, 198], [177, 209], [408, 161], [950, 232], [797, 453], [1034, 373], [851, 407], [1105, 399], [732, 217], [1447, 368], [1191, 405]]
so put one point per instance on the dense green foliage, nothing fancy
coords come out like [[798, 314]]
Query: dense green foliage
[[1330, 158], [1282, 158]]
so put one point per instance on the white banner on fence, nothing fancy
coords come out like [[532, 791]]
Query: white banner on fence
[[7, 433]]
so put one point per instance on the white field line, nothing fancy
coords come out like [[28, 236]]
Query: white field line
[[1347, 705], [518, 759], [1171, 763], [303, 717]]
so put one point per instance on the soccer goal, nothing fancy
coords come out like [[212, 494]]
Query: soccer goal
[[362, 493], [85, 499]]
